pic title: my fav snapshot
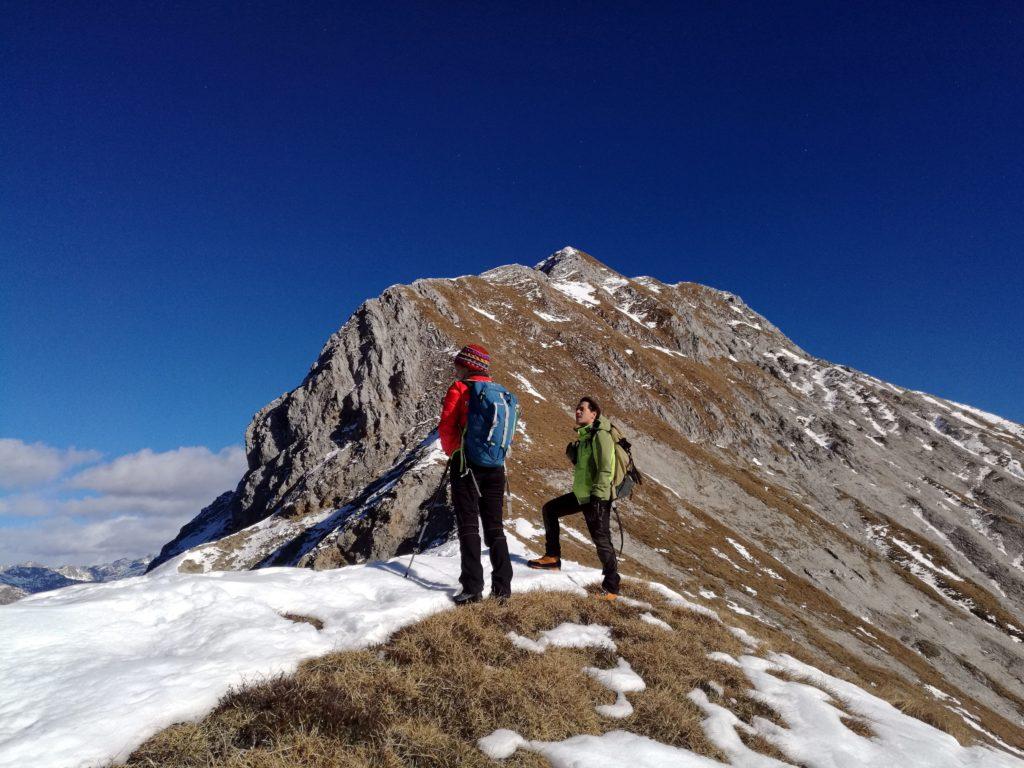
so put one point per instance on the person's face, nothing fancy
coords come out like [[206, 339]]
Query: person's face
[[584, 416], [461, 371]]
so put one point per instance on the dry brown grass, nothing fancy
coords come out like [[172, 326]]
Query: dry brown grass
[[426, 696], [858, 726], [298, 618], [760, 744]]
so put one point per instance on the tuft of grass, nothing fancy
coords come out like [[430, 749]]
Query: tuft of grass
[[298, 618], [760, 744], [857, 725]]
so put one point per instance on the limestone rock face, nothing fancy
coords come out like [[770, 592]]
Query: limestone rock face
[[365, 406], [810, 495]]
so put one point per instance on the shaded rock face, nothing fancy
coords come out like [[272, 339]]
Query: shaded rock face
[[862, 516], [318, 452]]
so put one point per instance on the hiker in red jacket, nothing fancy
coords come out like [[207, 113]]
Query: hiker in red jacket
[[476, 490]]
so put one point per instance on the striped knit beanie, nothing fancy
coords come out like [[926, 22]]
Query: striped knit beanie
[[474, 357]]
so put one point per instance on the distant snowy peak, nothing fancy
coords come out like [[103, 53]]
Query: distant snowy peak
[[30, 578], [566, 254], [575, 265], [33, 577], [124, 568]]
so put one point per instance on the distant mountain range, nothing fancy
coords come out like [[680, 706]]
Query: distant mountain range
[[22, 579]]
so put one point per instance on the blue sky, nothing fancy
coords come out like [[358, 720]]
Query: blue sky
[[193, 198]]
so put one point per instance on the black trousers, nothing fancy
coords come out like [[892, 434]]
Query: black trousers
[[597, 515], [477, 495]]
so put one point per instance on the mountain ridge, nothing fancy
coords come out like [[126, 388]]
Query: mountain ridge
[[811, 495]]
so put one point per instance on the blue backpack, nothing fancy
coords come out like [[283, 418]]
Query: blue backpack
[[490, 423]]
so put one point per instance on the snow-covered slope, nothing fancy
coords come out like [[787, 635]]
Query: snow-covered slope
[[91, 671]]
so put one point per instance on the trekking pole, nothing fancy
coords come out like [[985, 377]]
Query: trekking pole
[[622, 537], [423, 525], [508, 495]]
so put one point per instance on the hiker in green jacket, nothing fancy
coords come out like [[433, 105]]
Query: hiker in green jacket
[[593, 453]]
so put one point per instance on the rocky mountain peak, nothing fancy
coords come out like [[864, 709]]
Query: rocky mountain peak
[[849, 510], [570, 263]]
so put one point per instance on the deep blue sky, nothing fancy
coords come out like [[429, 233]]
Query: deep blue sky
[[192, 200]]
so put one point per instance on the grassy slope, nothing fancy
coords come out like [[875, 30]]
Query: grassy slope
[[425, 697]]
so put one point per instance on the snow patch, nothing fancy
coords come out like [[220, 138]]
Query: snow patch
[[653, 620], [636, 318], [550, 318], [620, 679], [500, 744], [68, 701], [666, 350], [580, 292], [530, 389], [485, 313], [567, 635], [524, 529]]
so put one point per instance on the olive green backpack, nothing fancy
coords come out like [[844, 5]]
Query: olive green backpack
[[626, 474]]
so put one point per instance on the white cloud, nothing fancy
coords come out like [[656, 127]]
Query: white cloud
[[63, 541], [138, 503], [139, 506], [23, 464], [182, 473], [25, 505]]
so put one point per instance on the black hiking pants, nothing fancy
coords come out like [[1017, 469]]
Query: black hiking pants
[[597, 515], [477, 496]]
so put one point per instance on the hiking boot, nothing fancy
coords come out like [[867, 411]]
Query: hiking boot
[[465, 598], [501, 599], [546, 563], [608, 597]]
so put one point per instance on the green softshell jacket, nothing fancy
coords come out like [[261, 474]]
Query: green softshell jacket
[[595, 462]]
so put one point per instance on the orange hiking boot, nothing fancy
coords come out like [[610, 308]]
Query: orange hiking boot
[[608, 597], [546, 563]]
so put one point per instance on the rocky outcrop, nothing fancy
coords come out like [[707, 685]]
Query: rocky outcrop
[[10, 594], [851, 510]]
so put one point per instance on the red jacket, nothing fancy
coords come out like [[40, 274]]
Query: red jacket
[[453, 413]]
